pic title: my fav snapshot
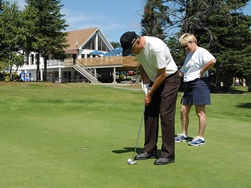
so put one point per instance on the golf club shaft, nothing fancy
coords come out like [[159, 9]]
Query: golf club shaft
[[141, 122]]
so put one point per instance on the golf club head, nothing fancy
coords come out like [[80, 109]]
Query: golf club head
[[131, 162]]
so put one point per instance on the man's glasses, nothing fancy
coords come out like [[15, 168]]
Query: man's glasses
[[133, 42]]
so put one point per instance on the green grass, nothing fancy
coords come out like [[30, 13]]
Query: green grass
[[81, 135]]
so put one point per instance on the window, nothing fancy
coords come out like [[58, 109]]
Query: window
[[91, 44], [101, 45]]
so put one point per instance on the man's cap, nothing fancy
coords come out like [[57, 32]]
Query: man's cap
[[127, 40]]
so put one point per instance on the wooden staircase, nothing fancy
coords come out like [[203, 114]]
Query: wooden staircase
[[87, 72]]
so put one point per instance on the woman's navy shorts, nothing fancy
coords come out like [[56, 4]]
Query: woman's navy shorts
[[197, 92]]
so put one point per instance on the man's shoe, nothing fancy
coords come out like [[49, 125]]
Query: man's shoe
[[198, 141], [181, 138], [163, 161], [145, 155]]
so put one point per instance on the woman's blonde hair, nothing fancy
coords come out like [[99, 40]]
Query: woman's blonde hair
[[186, 38]]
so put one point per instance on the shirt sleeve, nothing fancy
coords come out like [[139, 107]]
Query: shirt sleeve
[[160, 60], [207, 56], [182, 69]]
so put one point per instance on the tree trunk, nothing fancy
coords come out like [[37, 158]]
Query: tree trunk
[[11, 77], [45, 69], [217, 78], [15, 75], [248, 82]]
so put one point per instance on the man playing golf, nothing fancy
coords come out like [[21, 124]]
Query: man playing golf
[[161, 84]]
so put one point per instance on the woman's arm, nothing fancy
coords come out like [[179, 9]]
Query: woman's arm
[[206, 67]]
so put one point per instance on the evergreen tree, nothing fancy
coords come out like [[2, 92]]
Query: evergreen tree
[[11, 35], [1, 5], [115, 44], [222, 28], [30, 20], [155, 19], [49, 40]]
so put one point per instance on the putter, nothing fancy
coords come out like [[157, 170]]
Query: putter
[[130, 161]]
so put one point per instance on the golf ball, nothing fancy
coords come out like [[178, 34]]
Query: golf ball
[[131, 162]]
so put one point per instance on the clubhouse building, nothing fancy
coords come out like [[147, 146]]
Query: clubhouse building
[[90, 58]]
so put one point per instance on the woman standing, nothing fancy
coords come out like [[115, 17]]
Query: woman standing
[[197, 92]]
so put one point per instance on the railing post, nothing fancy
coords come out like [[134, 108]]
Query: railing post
[[114, 75], [59, 75]]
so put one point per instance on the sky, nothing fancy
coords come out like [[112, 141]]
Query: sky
[[112, 17]]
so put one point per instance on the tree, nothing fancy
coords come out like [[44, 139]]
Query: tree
[[49, 40], [11, 35], [222, 28], [1, 5], [155, 19], [227, 35], [29, 21], [115, 44]]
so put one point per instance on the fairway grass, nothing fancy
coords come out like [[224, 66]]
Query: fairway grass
[[81, 135]]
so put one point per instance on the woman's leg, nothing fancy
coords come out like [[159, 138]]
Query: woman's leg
[[184, 118], [200, 111]]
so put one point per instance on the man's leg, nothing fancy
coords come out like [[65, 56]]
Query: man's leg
[[167, 114], [152, 125]]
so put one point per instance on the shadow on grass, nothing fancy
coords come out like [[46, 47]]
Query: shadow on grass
[[139, 150], [188, 139], [237, 90], [244, 105], [127, 149]]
